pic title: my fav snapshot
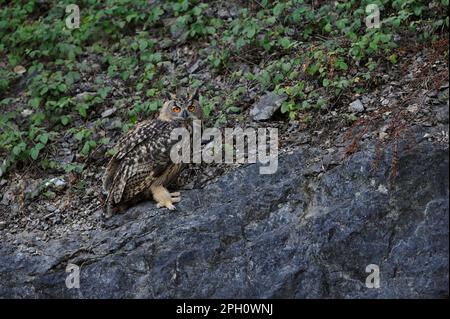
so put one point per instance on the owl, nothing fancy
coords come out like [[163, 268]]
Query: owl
[[142, 168]]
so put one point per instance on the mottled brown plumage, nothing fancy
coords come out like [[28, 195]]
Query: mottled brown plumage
[[142, 167]]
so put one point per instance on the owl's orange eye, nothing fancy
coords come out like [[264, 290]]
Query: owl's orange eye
[[176, 109], [191, 108]]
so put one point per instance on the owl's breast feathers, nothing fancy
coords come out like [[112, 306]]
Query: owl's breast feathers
[[143, 155]]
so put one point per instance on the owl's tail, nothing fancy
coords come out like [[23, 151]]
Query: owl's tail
[[108, 207], [110, 173]]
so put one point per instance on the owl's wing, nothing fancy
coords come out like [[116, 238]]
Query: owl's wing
[[143, 154], [125, 145], [146, 130]]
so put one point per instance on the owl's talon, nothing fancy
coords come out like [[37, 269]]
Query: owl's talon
[[175, 197], [166, 205], [164, 198]]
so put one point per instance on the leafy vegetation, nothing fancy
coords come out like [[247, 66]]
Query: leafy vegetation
[[315, 53]]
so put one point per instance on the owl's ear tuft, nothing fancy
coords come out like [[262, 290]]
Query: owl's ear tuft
[[166, 103], [168, 96], [193, 95]]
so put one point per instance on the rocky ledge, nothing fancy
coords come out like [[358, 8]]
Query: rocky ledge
[[307, 231]]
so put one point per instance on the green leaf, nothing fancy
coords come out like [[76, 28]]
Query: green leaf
[[19, 148], [285, 42], [104, 140], [34, 152], [250, 30], [49, 194], [153, 106], [341, 65], [286, 67], [142, 44], [79, 136], [62, 88], [43, 90], [34, 102], [393, 58], [341, 24], [285, 107], [234, 109], [43, 138], [373, 45], [240, 43], [278, 9], [86, 148], [125, 75], [312, 69], [305, 105], [197, 11], [104, 92], [65, 120], [82, 110]]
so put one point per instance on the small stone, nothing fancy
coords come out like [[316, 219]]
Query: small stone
[[65, 156], [19, 69], [194, 67], [366, 99], [26, 112], [356, 106], [442, 114], [108, 112], [384, 101], [86, 87], [49, 214], [50, 208], [293, 127], [169, 21], [7, 197], [267, 106], [56, 183], [412, 108], [165, 43], [383, 133], [382, 189], [223, 13], [83, 96], [96, 67]]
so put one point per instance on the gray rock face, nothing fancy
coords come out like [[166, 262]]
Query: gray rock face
[[299, 233], [267, 106]]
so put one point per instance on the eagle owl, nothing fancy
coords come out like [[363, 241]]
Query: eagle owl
[[142, 167]]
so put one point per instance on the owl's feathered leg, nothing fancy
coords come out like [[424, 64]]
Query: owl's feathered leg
[[163, 198]]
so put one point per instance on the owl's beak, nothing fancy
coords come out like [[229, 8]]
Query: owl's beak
[[184, 114]]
